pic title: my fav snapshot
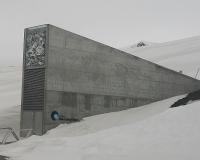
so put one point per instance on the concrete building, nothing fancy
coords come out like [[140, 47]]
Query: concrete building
[[75, 77]]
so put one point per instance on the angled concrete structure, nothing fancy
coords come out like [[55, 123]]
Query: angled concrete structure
[[75, 77]]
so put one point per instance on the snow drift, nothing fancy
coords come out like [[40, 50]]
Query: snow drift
[[173, 134]]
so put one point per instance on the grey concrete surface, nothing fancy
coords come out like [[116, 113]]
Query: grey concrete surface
[[84, 78]]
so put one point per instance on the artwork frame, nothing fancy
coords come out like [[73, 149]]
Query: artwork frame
[[35, 48]]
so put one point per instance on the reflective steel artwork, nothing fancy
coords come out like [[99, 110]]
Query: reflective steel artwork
[[35, 48]]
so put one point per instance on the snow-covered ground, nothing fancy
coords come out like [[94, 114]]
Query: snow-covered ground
[[10, 96], [170, 135], [178, 55], [150, 132]]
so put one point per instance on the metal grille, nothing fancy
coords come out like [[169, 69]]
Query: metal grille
[[33, 93]]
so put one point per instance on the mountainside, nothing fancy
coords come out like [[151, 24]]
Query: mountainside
[[181, 55], [10, 97]]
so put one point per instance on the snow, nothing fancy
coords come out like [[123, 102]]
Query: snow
[[177, 55], [173, 134], [152, 132], [10, 96]]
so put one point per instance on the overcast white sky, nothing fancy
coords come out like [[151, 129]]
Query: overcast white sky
[[116, 23]]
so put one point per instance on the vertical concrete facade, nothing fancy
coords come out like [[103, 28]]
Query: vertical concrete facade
[[83, 77]]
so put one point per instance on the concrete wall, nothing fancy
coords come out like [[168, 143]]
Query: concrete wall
[[79, 77], [33, 80], [84, 77]]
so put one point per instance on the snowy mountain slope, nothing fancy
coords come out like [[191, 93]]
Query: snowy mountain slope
[[10, 86], [10, 96], [171, 135], [177, 55]]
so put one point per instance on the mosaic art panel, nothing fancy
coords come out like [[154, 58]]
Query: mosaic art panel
[[35, 48]]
